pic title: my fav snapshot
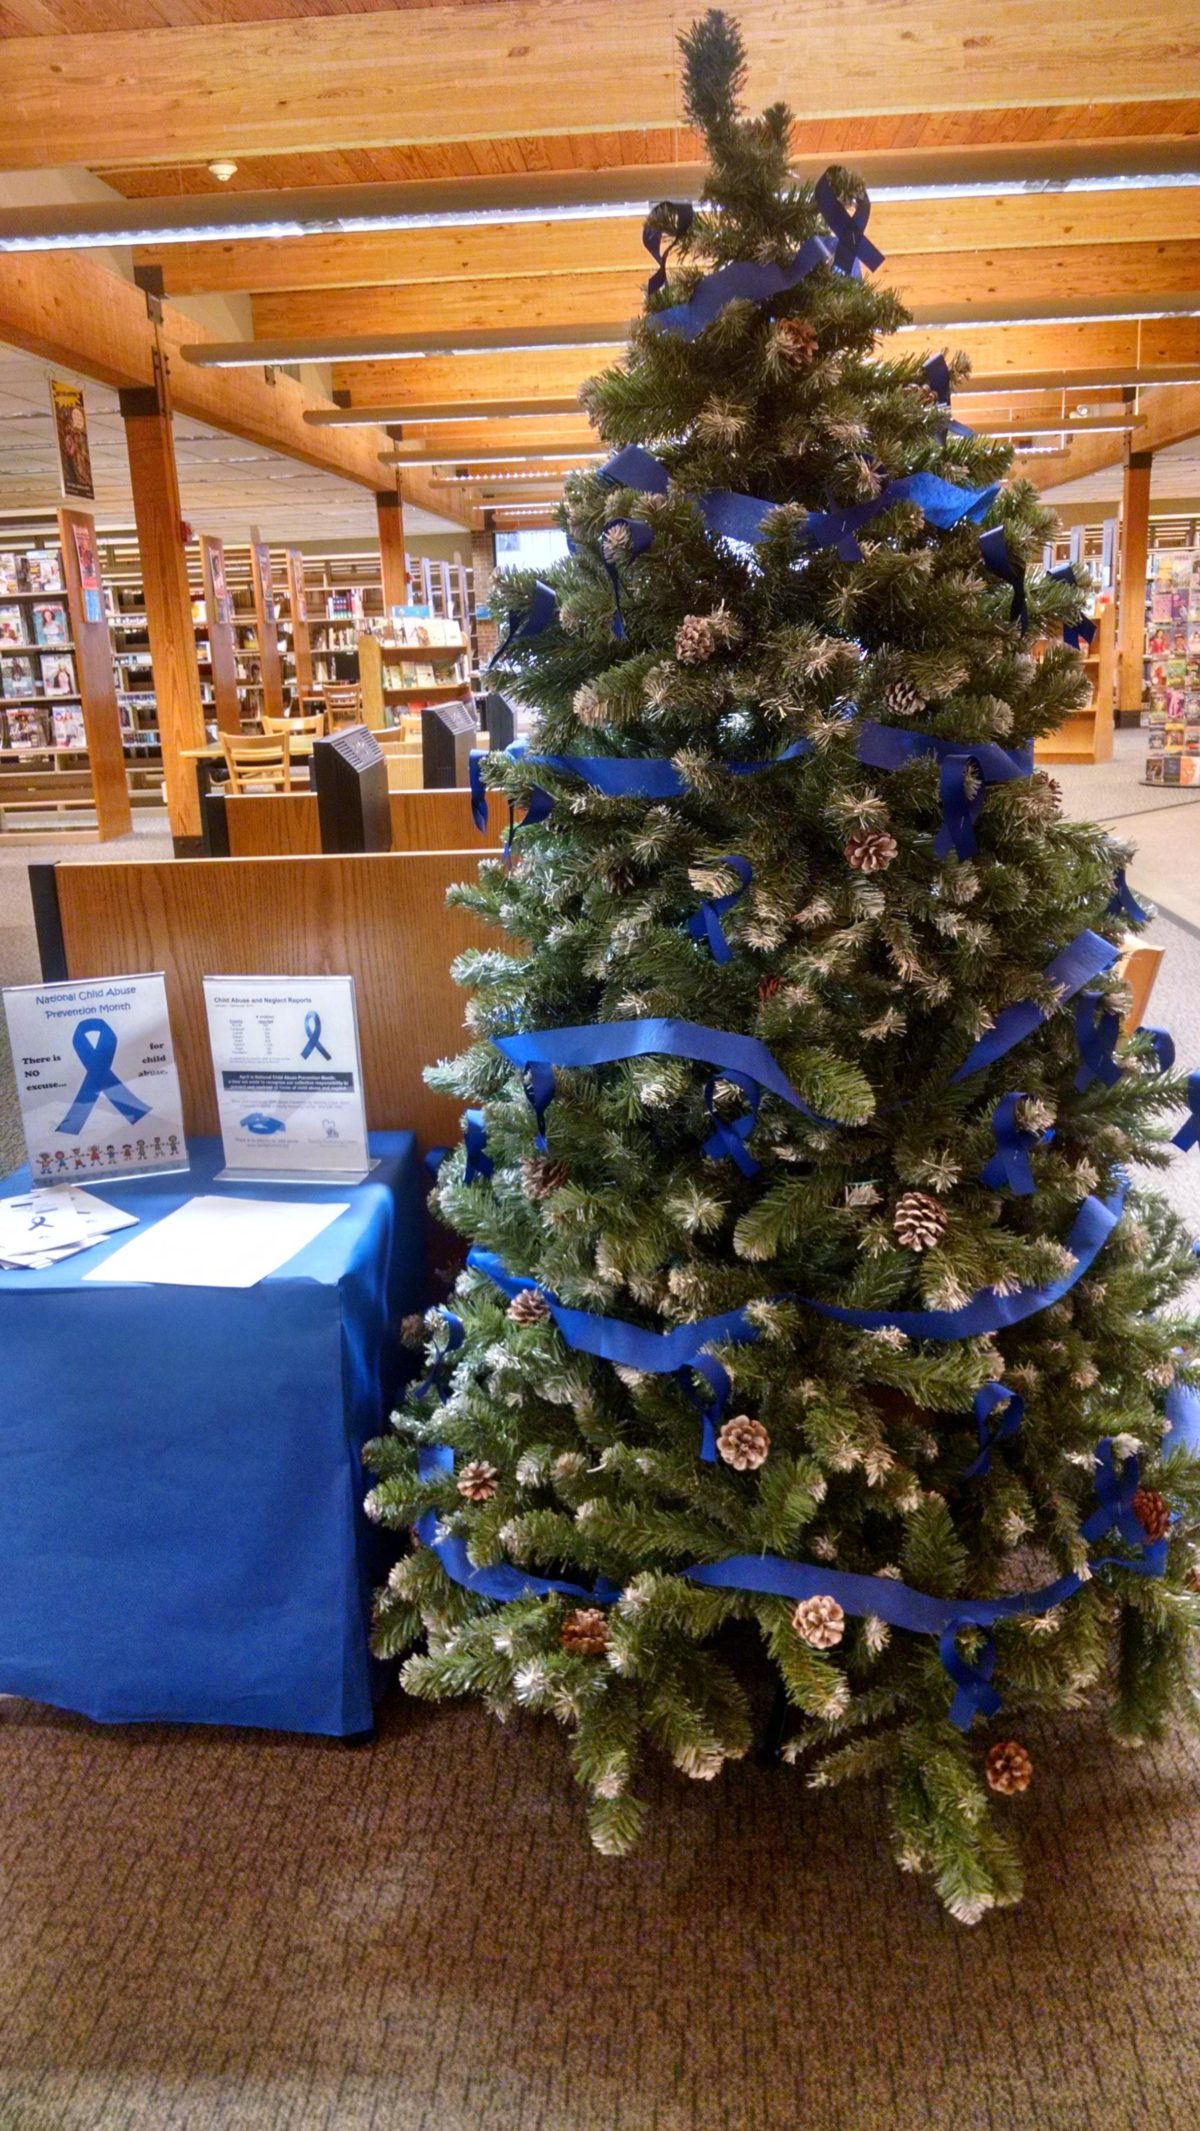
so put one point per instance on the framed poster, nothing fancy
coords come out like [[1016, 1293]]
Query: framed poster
[[96, 1080], [89, 570], [288, 1078], [71, 434]]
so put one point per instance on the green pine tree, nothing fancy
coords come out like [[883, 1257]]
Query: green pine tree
[[868, 965]]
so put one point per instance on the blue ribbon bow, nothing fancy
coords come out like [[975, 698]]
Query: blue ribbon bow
[[1189, 1132], [995, 556], [987, 1399], [1009, 1166], [888, 747], [455, 1335], [654, 236], [527, 621], [479, 1162], [1124, 902], [705, 923], [95, 1046], [640, 536], [1096, 1031], [1080, 632], [312, 1030]]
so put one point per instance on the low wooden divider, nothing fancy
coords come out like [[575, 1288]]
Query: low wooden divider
[[380, 918], [285, 825]]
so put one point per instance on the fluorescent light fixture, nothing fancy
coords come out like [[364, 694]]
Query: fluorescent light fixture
[[423, 412], [499, 457], [458, 203], [399, 347], [1071, 318]]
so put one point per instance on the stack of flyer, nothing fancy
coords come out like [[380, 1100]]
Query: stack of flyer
[[39, 1227]]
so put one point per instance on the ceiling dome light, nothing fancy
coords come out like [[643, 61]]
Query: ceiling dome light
[[223, 169]]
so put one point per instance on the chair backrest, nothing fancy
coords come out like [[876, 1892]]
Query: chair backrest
[[258, 758], [311, 725], [343, 703]]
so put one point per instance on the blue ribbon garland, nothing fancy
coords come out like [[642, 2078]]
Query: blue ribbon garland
[[640, 537], [479, 1163], [705, 923], [1084, 958], [1080, 632], [882, 1597], [1008, 1168], [95, 1046], [847, 250], [987, 1399], [527, 621]]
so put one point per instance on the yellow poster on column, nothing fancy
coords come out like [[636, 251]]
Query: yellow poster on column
[[70, 429]]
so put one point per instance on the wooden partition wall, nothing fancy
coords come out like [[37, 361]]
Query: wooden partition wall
[[381, 919], [285, 825]]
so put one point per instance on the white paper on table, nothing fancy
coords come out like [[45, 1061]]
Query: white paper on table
[[211, 1242], [34, 1223]]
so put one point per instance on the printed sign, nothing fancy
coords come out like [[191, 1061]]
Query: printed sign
[[288, 1077], [70, 429], [89, 570], [96, 1079], [222, 599], [263, 554]]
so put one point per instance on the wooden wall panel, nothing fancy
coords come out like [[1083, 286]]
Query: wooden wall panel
[[285, 824], [381, 919]]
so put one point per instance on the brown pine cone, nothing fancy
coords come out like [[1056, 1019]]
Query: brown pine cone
[[584, 1632], [820, 1622], [478, 1481], [919, 1220], [744, 1443], [412, 1329], [528, 1307], [541, 1174], [871, 850], [1191, 1577], [695, 639], [1008, 1767], [902, 700], [798, 340], [768, 988], [1152, 1513]]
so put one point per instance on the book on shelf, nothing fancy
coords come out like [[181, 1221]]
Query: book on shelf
[[58, 673], [12, 625], [68, 725], [50, 623], [14, 572], [45, 570], [26, 730], [18, 676]]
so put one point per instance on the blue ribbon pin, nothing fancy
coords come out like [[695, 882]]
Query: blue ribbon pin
[[1096, 1031], [528, 621], [705, 923], [1080, 632], [312, 1029], [1189, 1132], [987, 1399], [95, 1046], [1009, 1165], [995, 556], [1124, 902], [655, 234]]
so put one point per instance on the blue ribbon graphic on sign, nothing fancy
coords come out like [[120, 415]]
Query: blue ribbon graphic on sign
[[95, 1046], [263, 1126], [312, 1029]]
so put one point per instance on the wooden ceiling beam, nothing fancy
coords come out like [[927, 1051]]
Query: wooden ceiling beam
[[1137, 276], [1171, 414], [1017, 222], [432, 73]]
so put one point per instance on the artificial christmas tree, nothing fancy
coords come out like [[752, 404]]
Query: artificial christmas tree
[[844, 1327]]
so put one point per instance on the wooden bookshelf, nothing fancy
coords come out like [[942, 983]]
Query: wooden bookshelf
[[1087, 735]]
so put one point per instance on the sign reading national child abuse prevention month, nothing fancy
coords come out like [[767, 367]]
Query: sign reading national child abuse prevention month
[[96, 1079], [289, 1078]]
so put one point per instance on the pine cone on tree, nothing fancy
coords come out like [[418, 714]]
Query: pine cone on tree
[[744, 1443], [541, 1174], [871, 850], [819, 1622], [1008, 1767], [1152, 1512], [412, 1329], [798, 341], [584, 1633], [902, 700], [478, 1481], [695, 639], [919, 1220], [768, 988], [529, 1307]]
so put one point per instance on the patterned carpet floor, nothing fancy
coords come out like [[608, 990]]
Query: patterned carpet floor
[[212, 1931]]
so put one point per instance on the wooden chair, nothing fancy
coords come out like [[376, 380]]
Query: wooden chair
[[311, 726], [255, 759], [344, 704]]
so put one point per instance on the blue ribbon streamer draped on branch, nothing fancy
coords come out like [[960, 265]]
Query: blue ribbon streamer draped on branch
[[95, 1046], [1189, 1132], [936, 371], [1077, 633], [1096, 1031], [1124, 902], [1085, 957]]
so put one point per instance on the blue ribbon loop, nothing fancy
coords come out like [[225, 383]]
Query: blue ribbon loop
[[1080, 632], [1189, 1131], [936, 372], [312, 1030], [527, 621], [995, 555], [455, 1335], [1096, 1031], [727, 1142], [705, 923], [640, 536], [1162, 1043], [655, 234], [1008, 1168], [95, 1046], [854, 248], [888, 747], [1012, 1413], [479, 1163], [1124, 902]]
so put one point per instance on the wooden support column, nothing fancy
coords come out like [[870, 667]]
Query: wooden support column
[[159, 520], [1135, 547], [389, 509], [483, 569], [94, 667], [298, 610], [267, 618], [222, 646]]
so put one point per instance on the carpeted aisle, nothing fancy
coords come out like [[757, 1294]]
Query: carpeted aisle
[[214, 1932]]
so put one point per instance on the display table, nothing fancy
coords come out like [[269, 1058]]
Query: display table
[[181, 1533]]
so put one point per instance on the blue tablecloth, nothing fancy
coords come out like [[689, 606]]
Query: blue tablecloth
[[181, 1533]]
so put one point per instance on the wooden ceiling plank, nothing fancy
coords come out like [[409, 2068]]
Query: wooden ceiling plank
[[409, 75], [1171, 415]]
